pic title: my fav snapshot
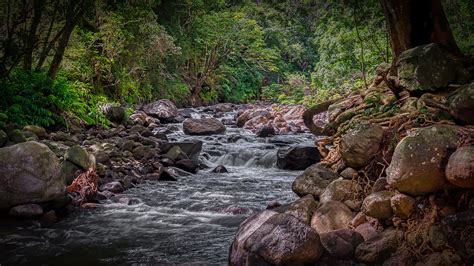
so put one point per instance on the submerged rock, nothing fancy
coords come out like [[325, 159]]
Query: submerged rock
[[297, 157], [204, 126], [30, 173], [220, 169], [26, 211], [419, 161]]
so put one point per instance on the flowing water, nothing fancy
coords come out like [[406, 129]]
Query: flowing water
[[191, 221]]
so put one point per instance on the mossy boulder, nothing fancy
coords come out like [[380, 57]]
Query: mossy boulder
[[461, 104], [17, 136], [427, 68], [30, 173], [313, 181], [419, 161], [3, 138], [377, 205], [37, 130], [80, 157]]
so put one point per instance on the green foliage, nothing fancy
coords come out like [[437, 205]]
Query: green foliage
[[33, 98]]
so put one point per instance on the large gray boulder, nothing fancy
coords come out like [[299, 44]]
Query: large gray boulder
[[313, 181], [164, 109], [30, 173], [297, 157], [427, 68], [461, 104], [204, 126], [360, 145], [419, 161], [277, 239]]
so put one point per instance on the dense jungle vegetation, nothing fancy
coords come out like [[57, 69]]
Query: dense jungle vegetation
[[63, 59]]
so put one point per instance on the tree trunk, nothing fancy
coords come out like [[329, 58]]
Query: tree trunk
[[32, 37], [74, 12], [412, 23]]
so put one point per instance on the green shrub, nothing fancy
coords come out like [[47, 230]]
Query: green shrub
[[33, 98]]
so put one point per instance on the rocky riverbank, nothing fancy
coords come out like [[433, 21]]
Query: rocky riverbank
[[97, 164], [395, 183]]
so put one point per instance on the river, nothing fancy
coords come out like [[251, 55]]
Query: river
[[190, 221]]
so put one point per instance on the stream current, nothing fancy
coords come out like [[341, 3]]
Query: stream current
[[190, 221]]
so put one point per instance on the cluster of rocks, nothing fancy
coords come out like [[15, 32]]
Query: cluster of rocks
[[37, 166], [418, 208], [267, 120]]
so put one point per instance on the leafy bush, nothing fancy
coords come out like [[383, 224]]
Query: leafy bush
[[33, 98]]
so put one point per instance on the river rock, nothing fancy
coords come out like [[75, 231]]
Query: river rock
[[164, 109], [115, 113], [461, 104], [360, 145], [79, 156], [402, 205], [426, 68], [143, 152], [37, 130], [377, 205], [314, 181], [69, 171], [16, 136], [341, 243], [266, 131], [187, 165], [340, 190], [366, 230], [3, 138], [460, 168], [380, 184], [191, 148], [30, 173], [297, 157], [204, 126], [220, 169], [379, 248], [419, 161], [280, 240], [26, 211], [349, 173], [114, 187], [302, 209], [330, 216]]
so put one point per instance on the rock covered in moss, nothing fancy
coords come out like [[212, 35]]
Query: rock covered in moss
[[340, 190], [419, 161], [461, 104], [30, 173], [3, 138], [360, 145], [80, 157], [37, 130], [377, 205], [427, 68], [17, 136], [460, 168]]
